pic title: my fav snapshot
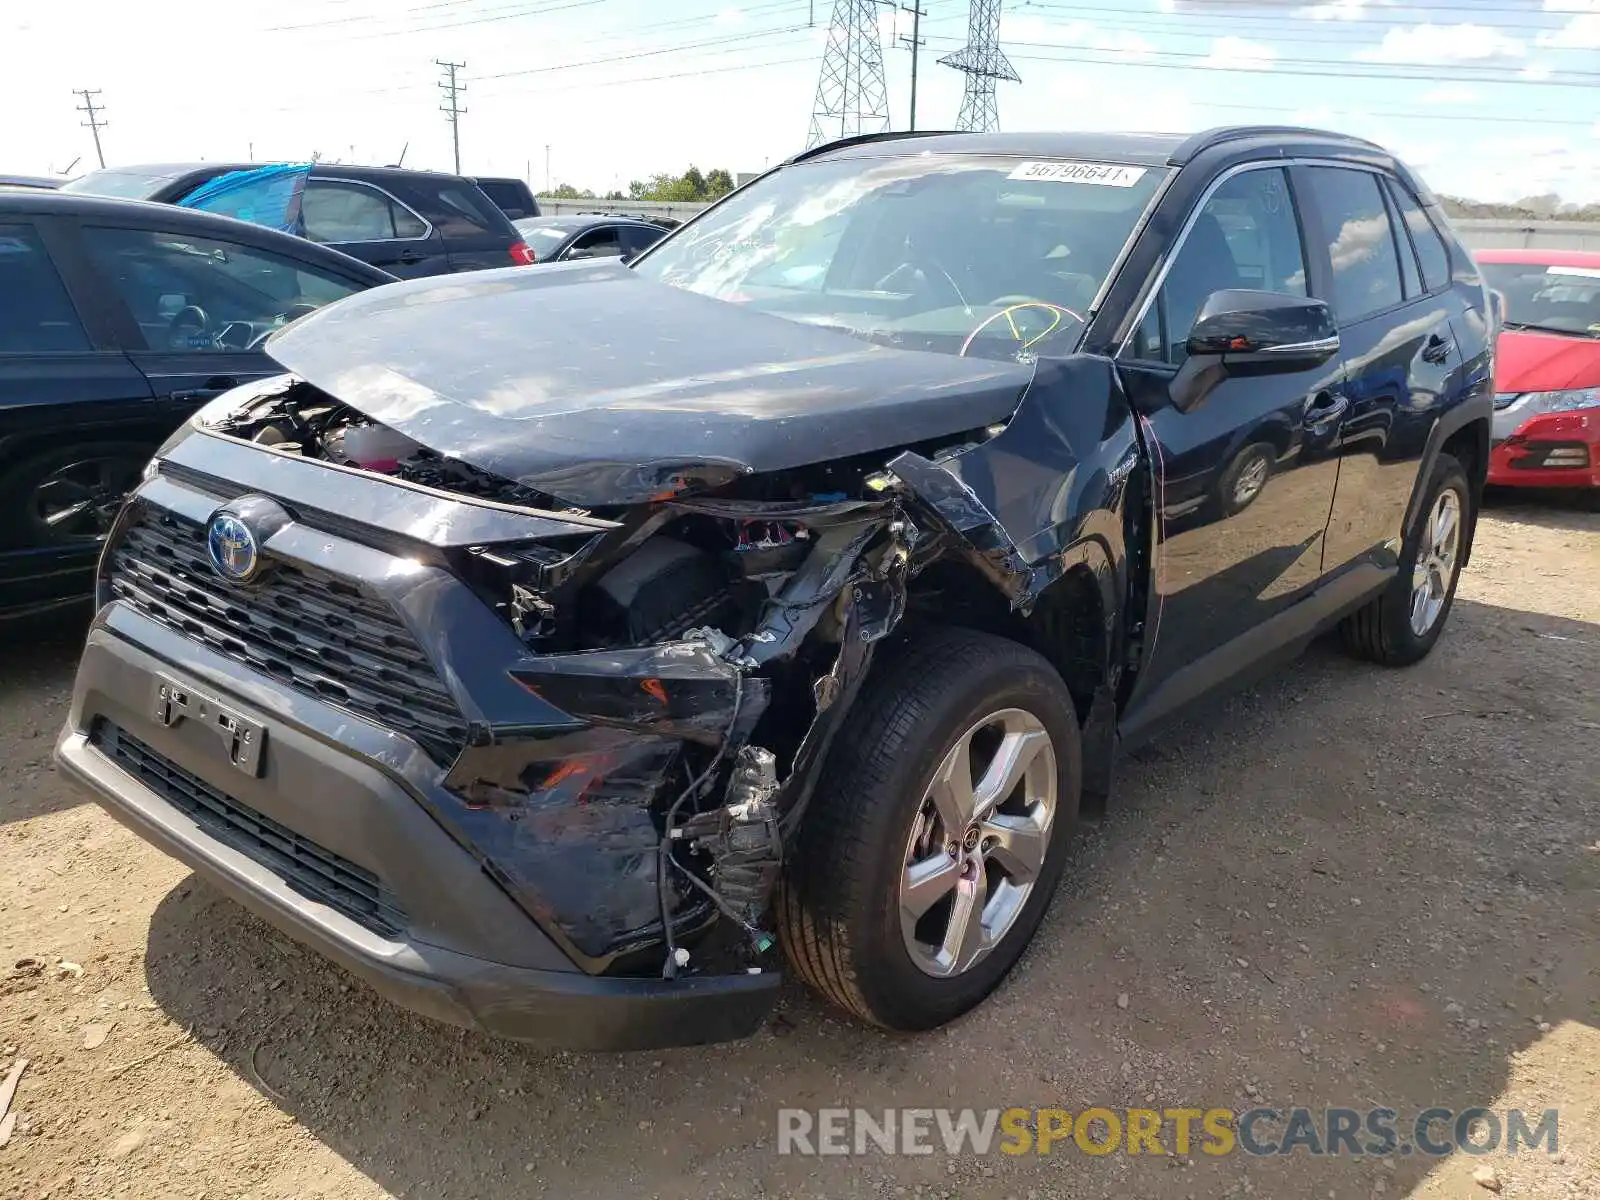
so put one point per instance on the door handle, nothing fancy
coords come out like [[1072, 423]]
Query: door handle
[[1437, 349], [1324, 407], [410, 256], [210, 390]]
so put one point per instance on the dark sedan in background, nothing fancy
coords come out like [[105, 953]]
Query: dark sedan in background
[[117, 320], [588, 235], [409, 223]]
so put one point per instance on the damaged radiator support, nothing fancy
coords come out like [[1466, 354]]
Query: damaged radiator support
[[743, 838]]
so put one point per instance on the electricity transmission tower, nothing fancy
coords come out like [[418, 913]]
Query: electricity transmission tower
[[852, 95], [94, 123], [984, 65], [450, 108]]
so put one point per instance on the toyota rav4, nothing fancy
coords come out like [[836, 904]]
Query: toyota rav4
[[563, 651]]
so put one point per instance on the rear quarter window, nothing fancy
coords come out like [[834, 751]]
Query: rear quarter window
[[36, 315]]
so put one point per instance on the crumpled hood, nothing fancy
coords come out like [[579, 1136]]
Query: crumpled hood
[[595, 385]]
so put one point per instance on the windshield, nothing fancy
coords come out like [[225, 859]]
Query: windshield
[[124, 185], [1553, 299], [963, 254]]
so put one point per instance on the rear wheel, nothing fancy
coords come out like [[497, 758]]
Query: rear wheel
[[938, 831], [1401, 625]]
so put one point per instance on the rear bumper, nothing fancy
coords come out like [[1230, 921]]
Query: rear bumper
[[324, 825]]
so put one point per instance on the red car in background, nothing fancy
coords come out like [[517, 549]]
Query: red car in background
[[1547, 367]]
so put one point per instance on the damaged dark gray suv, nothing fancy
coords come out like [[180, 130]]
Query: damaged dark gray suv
[[563, 650]]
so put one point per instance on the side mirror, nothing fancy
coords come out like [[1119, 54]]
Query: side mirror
[[1243, 333], [578, 253]]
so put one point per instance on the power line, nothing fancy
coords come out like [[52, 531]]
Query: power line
[[94, 123], [1362, 69], [1164, 22], [450, 107], [914, 43]]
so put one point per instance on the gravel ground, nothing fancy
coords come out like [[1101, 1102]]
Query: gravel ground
[[1347, 886]]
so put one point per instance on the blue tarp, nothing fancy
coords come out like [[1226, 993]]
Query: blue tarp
[[267, 196]]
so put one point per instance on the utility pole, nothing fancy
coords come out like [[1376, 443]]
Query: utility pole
[[450, 107], [94, 123], [547, 169], [914, 43]]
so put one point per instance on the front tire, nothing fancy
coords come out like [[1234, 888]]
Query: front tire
[[937, 833], [1400, 626]]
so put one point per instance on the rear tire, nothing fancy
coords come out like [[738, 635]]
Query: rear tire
[[871, 847], [1400, 626]]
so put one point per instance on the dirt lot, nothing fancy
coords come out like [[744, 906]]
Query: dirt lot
[[1345, 887]]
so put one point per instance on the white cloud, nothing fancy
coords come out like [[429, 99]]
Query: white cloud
[[1336, 10], [1429, 43], [1449, 93], [1580, 33], [1239, 54]]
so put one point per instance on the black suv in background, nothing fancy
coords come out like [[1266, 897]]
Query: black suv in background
[[406, 222], [552, 646], [513, 197]]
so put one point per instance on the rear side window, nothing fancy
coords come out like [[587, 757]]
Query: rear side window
[[1435, 259], [1409, 275], [1361, 244], [467, 204], [1246, 236], [36, 315], [636, 239], [352, 212]]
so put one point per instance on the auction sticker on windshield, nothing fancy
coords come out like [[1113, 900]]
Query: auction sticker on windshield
[[1102, 174]]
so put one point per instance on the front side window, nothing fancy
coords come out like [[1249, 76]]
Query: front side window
[[960, 254], [1361, 244], [1548, 299], [1245, 236], [598, 243], [36, 315], [202, 294]]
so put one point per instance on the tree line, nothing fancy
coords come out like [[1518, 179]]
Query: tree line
[[692, 185]]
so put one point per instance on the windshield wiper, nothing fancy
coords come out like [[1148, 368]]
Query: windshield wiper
[[1531, 327]]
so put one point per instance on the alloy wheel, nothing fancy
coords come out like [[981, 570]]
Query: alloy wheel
[[80, 500], [978, 842], [1436, 562]]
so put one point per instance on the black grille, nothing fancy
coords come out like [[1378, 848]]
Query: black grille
[[321, 634], [310, 869]]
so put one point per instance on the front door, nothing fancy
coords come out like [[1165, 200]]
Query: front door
[[202, 306], [1244, 479]]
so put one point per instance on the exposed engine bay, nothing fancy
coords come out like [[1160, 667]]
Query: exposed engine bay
[[711, 642]]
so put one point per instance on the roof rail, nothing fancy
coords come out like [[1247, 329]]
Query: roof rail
[[862, 139], [1208, 138]]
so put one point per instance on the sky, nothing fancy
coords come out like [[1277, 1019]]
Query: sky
[[1491, 100]]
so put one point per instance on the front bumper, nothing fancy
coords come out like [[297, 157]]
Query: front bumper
[[326, 843], [1554, 450]]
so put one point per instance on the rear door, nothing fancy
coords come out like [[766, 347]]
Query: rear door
[[1399, 351], [76, 421], [370, 223], [196, 308]]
